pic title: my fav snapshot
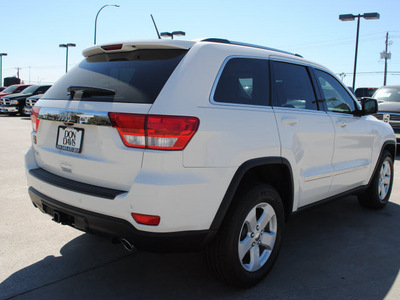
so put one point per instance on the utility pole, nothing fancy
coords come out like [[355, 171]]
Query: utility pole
[[386, 56], [18, 68]]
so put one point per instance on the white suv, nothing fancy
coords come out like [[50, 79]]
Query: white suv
[[172, 145]]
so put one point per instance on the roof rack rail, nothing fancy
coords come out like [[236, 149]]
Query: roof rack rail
[[225, 41]]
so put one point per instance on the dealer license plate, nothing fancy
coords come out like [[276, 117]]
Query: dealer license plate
[[69, 139]]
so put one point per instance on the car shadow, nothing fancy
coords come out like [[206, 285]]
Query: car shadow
[[335, 251]]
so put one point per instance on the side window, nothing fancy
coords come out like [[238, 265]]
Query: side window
[[42, 89], [20, 89], [293, 87], [243, 81], [336, 97]]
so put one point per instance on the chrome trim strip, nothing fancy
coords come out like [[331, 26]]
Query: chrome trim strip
[[320, 176], [71, 117], [335, 173]]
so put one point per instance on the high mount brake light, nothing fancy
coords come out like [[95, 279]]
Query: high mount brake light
[[112, 47], [154, 131], [35, 118]]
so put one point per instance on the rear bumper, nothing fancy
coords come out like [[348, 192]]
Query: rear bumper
[[115, 228]]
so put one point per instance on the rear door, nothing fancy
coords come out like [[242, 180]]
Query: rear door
[[306, 132]]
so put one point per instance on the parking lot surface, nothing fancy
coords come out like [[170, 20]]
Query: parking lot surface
[[335, 251]]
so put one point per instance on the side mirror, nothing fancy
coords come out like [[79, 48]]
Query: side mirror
[[369, 106]]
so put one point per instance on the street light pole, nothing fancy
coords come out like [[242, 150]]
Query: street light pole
[[356, 52], [66, 46], [95, 20], [351, 17], [1, 67], [172, 34]]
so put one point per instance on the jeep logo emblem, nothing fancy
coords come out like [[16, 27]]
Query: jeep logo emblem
[[66, 118]]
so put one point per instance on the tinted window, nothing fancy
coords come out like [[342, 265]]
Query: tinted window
[[134, 77], [20, 89], [365, 92], [293, 87], [42, 89], [336, 97], [243, 81]]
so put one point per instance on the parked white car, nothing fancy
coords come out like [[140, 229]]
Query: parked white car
[[169, 145]]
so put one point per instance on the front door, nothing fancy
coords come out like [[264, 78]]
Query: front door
[[354, 136]]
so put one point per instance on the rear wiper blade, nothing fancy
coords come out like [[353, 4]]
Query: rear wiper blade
[[89, 91]]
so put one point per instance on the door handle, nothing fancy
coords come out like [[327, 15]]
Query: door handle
[[289, 121], [341, 124]]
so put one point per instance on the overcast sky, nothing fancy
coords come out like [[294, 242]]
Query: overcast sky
[[31, 31]]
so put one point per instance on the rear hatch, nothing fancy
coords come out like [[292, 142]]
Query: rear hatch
[[76, 135]]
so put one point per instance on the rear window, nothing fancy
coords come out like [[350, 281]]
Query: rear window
[[365, 92], [243, 81], [130, 77]]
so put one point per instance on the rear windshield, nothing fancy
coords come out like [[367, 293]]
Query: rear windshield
[[365, 92], [132, 77]]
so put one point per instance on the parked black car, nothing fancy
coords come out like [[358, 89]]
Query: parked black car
[[389, 107], [15, 103]]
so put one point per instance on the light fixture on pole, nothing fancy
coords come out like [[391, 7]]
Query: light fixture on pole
[[351, 17], [1, 67], [95, 20], [172, 34], [66, 46]]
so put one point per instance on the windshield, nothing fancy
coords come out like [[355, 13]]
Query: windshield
[[10, 89], [29, 90], [388, 94], [133, 77]]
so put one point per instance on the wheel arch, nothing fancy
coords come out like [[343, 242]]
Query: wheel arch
[[389, 146], [274, 171]]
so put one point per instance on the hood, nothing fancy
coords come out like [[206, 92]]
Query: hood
[[4, 94], [19, 95], [36, 97], [389, 107]]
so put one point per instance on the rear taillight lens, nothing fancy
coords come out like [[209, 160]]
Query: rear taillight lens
[[146, 219], [155, 131], [35, 118], [131, 127]]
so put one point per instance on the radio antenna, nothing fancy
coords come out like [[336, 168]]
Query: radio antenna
[[158, 34]]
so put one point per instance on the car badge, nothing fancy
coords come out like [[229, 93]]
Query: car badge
[[386, 118]]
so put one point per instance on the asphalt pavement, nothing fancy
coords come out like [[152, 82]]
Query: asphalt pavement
[[335, 251]]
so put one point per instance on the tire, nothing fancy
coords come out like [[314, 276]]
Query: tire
[[248, 242], [378, 193]]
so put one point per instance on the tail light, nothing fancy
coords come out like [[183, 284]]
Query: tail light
[[155, 131], [35, 118]]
